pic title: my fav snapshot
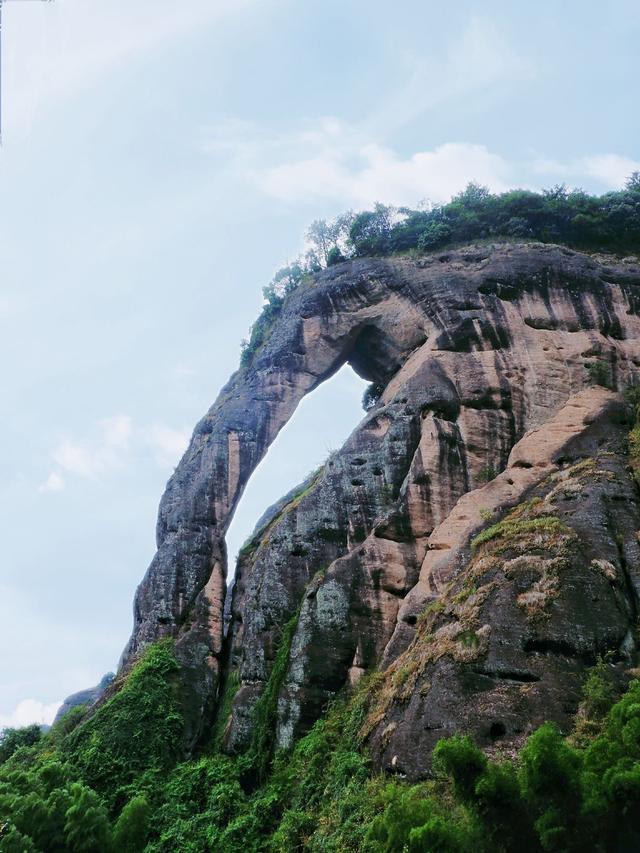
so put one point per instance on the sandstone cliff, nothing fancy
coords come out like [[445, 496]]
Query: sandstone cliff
[[492, 419]]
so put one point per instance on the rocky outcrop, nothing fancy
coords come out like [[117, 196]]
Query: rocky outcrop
[[484, 355], [520, 611], [84, 698]]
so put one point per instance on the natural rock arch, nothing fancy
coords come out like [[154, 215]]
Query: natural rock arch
[[472, 348]]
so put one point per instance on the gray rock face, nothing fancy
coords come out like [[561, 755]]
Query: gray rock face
[[474, 349], [84, 697]]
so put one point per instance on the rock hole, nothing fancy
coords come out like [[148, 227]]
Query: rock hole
[[497, 730]]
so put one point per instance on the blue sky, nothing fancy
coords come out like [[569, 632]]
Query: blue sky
[[160, 160]]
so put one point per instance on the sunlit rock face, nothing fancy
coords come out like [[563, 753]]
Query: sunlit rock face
[[487, 357]]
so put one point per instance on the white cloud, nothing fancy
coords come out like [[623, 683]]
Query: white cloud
[[29, 711], [380, 175], [475, 62], [117, 431], [104, 453], [329, 163], [169, 444], [608, 170], [329, 160], [326, 159], [116, 442], [53, 483], [50, 663], [73, 458]]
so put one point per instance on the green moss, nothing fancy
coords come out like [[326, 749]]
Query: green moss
[[469, 639], [225, 704], [66, 724], [487, 473], [253, 543], [634, 452], [136, 732], [600, 373], [431, 610], [305, 490], [464, 594], [519, 527], [323, 794], [266, 710], [402, 675]]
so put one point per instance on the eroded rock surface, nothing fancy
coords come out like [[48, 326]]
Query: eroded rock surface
[[506, 641], [484, 355]]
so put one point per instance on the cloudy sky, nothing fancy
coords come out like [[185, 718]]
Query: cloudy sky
[[160, 160]]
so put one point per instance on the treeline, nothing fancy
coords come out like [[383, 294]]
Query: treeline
[[112, 783], [609, 222]]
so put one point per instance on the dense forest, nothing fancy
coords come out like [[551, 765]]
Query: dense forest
[[112, 782], [607, 223]]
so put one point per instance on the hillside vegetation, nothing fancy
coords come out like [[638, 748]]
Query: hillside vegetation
[[607, 223], [109, 783]]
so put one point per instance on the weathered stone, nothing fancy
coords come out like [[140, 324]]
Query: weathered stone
[[84, 697], [528, 611], [482, 357]]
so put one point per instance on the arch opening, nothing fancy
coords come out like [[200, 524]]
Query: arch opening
[[322, 422]]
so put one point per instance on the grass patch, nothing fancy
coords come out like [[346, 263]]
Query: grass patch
[[519, 527], [464, 594]]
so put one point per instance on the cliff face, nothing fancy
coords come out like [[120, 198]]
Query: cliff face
[[489, 421]]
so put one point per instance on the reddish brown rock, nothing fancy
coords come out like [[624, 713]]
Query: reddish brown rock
[[473, 349]]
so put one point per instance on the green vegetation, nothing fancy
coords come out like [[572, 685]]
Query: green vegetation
[[632, 396], [487, 473], [251, 545], [371, 396], [574, 218], [571, 217], [465, 593], [556, 798], [135, 738], [13, 739], [600, 373], [266, 711], [562, 794], [225, 704], [114, 782], [510, 528]]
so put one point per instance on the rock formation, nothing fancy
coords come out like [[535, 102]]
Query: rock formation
[[493, 418], [84, 697]]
